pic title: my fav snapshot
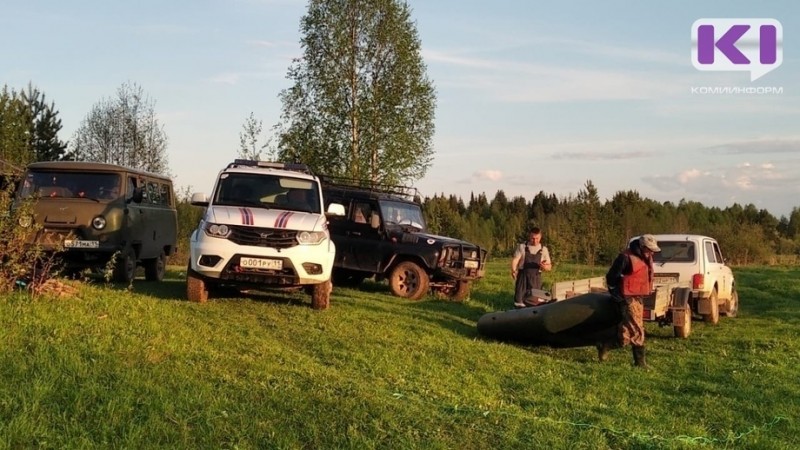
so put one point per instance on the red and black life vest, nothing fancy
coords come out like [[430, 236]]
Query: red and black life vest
[[640, 280]]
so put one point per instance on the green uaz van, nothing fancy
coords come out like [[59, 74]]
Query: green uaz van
[[97, 211]]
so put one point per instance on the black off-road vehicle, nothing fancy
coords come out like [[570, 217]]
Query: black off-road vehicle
[[383, 235]]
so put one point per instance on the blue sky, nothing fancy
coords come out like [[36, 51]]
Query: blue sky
[[530, 95]]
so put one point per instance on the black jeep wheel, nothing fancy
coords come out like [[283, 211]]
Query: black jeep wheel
[[155, 268], [459, 292], [408, 280]]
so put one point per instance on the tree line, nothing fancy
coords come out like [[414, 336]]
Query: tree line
[[583, 229]]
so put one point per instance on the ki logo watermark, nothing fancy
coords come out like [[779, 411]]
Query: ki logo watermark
[[746, 45]]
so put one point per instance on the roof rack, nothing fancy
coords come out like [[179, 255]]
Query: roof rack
[[296, 167], [355, 184]]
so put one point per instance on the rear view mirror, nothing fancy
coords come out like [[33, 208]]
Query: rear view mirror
[[199, 199]]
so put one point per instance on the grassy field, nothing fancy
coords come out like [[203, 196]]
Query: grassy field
[[114, 368]]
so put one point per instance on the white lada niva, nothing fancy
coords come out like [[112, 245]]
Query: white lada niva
[[264, 227]]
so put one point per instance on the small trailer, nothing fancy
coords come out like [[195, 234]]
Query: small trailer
[[669, 304]]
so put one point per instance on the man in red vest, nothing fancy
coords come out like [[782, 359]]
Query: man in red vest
[[629, 280]]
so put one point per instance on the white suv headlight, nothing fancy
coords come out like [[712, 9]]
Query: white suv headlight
[[311, 237], [216, 230]]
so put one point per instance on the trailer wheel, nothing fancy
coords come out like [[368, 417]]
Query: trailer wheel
[[408, 280], [713, 316]]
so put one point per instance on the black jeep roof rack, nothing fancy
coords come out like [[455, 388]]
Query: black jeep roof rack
[[296, 167], [355, 184]]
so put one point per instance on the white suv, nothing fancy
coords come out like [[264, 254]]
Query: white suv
[[264, 226], [696, 262]]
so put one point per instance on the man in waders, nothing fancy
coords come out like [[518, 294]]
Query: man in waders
[[530, 259], [629, 280]]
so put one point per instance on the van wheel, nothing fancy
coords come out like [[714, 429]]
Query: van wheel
[[713, 316], [155, 268], [196, 289], [321, 295], [125, 269], [733, 304], [408, 280]]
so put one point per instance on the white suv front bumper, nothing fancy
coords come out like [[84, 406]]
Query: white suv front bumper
[[302, 264]]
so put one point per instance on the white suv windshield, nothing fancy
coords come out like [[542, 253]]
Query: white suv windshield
[[267, 191]]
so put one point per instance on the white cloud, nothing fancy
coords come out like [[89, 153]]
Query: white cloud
[[491, 175]]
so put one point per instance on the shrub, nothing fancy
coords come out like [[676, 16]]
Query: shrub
[[21, 262]]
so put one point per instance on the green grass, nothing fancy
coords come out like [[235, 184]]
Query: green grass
[[145, 369]]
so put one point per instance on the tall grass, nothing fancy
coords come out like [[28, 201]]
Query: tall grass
[[145, 369]]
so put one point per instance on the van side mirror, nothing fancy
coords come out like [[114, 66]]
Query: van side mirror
[[375, 220]]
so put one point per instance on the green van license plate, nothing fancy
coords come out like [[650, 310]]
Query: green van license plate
[[77, 243]]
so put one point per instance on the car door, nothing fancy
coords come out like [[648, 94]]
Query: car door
[[363, 243], [715, 269], [726, 274]]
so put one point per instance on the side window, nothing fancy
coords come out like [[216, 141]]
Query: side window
[[360, 212], [718, 254], [166, 194], [153, 196], [710, 255], [132, 184]]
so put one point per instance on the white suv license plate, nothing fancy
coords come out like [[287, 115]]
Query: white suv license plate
[[259, 263], [664, 280], [74, 243]]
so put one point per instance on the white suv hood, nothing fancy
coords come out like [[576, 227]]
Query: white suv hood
[[262, 218]]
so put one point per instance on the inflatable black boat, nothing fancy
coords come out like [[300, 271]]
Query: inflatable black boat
[[579, 321]]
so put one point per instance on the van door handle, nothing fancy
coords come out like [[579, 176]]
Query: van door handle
[[355, 233]]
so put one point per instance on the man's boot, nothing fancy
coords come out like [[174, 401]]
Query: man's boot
[[638, 356], [603, 350]]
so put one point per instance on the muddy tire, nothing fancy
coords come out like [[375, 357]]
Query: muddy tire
[[713, 316], [733, 304], [125, 267], [684, 331], [408, 280], [321, 295], [682, 297], [460, 292], [196, 288], [155, 268]]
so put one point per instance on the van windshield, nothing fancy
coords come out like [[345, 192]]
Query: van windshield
[[64, 184]]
